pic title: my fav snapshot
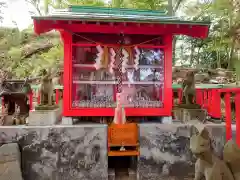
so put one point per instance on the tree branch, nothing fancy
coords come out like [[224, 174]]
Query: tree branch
[[177, 6]]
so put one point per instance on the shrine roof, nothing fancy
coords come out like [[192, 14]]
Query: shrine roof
[[104, 14], [86, 19]]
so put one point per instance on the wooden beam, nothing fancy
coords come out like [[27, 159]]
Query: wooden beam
[[199, 31]]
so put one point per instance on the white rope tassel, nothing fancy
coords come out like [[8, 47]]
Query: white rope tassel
[[136, 59], [125, 60], [112, 60], [97, 64]]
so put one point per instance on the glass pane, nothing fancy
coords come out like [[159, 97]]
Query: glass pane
[[151, 57], [91, 74], [142, 95], [154, 75], [143, 84], [93, 95]]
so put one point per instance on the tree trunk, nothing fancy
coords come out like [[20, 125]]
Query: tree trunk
[[191, 53], [174, 50], [230, 59], [170, 8]]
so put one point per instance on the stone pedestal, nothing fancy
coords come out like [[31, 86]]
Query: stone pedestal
[[188, 115], [44, 117]]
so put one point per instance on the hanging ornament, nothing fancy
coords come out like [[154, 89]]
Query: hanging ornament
[[136, 59], [98, 60], [112, 60], [125, 60]]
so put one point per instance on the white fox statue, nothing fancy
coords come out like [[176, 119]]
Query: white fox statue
[[210, 166]]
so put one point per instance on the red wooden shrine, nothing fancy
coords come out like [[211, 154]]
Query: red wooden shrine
[[110, 50]]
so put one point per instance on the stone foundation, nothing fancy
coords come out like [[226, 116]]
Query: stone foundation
[[80, 151], [165, 153], [60, 153]]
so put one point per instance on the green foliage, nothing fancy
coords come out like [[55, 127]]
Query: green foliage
[[218, 50]]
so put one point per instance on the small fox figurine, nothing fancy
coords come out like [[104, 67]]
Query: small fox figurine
[[5, 113], [208, 165], [16, 117]]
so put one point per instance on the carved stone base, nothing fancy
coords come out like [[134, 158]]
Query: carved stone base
[[44, 117], [187, 115]]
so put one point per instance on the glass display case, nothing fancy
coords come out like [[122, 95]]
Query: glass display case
[[141, 74]]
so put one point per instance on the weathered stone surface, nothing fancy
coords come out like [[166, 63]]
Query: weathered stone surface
[[10, 161], [44, 117], [165, 153], [80, 152], [61, 153], [187, 115]]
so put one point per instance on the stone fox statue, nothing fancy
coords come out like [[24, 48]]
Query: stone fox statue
[[46, 88], [208, 165], [231, 155], [188, 87]]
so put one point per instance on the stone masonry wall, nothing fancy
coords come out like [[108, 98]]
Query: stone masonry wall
[[60, 153]]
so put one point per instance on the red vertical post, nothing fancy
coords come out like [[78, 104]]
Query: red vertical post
[[237, 107], [57, 96], [38, 97], [168, 74], [199, 98], [179, 96], [216, 104], [210, 95], [205, 98], [228, 116], [31, 100]]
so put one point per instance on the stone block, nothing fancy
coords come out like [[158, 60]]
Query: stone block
[[10, 161], [187, 115], [165, 153], [44, 117], [60, 152]]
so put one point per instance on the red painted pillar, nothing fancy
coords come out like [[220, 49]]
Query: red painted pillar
[[205, 98], [38, 97], [228, 116], [31, 100], [179, 96], [57, 96], [199, 96], [215, 105], [210, 95], [237, 107]]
